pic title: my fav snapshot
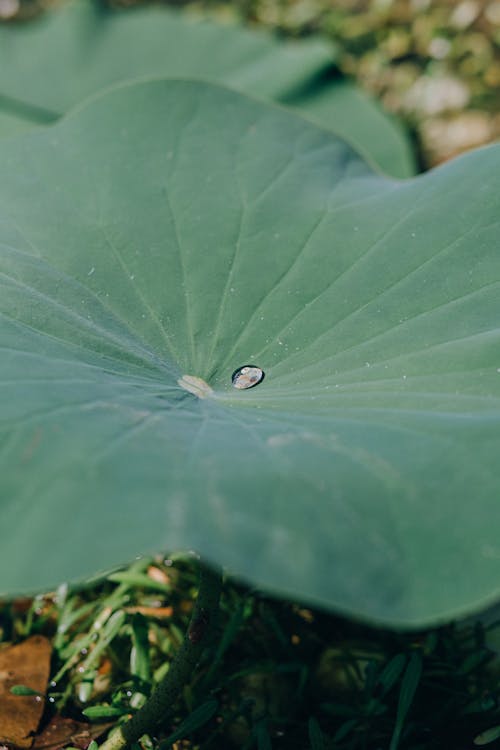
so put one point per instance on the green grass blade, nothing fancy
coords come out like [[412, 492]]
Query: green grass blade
[[230, 632], [409, 685], [194, 721], [138, 580], [391, 673], [316, 736], [263, 737], [140, 665]]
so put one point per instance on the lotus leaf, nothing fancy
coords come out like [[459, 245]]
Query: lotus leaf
[[170, 232]]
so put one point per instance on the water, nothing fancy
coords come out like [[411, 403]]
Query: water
[[247, 376]]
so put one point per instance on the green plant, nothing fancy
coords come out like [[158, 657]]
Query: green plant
[[273, 665], [200, 238], [168, 233], [51, 65]]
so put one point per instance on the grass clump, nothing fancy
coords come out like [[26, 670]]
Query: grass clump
[[277, 674]]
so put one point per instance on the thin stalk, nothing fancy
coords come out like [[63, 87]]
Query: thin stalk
[[163, 697]]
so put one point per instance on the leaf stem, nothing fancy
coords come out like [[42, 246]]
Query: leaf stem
[[161, 700]]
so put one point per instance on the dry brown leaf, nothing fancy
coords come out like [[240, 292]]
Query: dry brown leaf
[[156, 574], [159, 613], [61, 732], [28, 664]]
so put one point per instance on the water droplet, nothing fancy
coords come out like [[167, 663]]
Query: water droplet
[[247, 376]]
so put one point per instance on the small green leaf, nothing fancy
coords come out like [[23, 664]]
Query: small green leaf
[[103, 712], [24, 690], [488, 736]]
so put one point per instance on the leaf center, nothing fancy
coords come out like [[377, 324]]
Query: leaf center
[[196, 386]]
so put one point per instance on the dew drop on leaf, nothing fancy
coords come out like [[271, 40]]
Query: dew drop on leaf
[[247, 376]]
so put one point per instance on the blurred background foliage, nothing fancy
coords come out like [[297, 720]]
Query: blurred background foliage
[[433, 63]]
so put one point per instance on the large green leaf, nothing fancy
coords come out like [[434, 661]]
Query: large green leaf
[[345, 108], [176, 228], [67, 55], [12, 125]]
